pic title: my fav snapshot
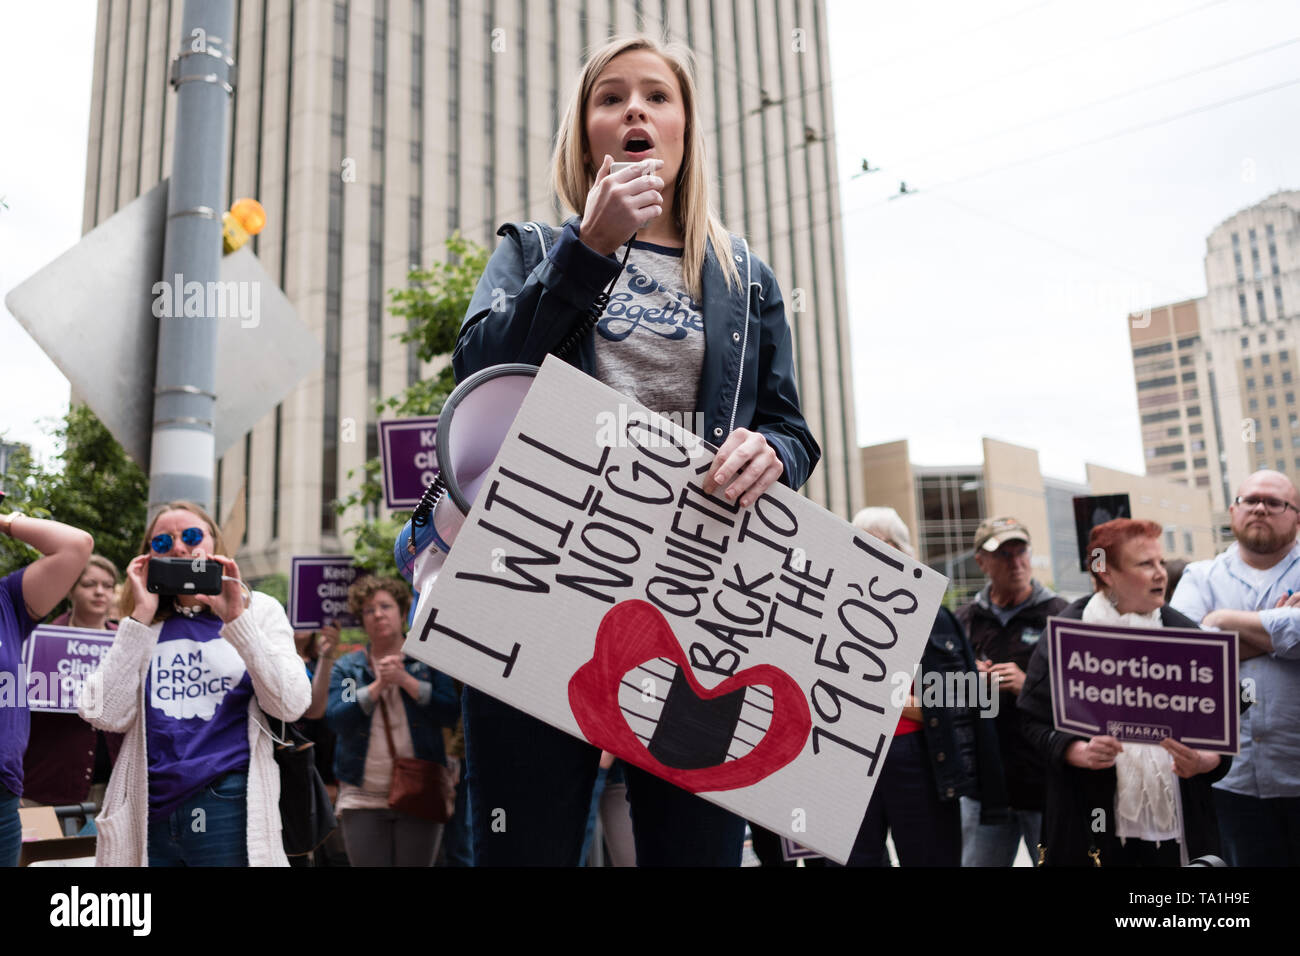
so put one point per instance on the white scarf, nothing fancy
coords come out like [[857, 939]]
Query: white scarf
[[1146, 794]]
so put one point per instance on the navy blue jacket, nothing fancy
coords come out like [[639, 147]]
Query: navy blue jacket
[[543, 285], [963, 745], [352, 724]]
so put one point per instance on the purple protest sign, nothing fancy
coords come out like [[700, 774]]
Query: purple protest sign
[[408, 447], [318, 591], [791, 851], [1144, 684], [58, 661]]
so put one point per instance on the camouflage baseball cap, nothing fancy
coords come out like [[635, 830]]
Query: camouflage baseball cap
[[995, 532]]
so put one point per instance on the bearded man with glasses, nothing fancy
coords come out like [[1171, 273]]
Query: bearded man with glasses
[[1252, 588]]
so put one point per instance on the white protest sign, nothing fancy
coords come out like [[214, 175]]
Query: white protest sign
[[747, 655]]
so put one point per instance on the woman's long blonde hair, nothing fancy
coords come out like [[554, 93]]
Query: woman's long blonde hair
[[696, 218], [126, 605]]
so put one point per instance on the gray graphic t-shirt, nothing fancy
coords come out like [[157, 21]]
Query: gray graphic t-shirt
[[650, 341]]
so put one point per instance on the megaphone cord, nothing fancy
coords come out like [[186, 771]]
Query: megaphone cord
[[583, 328]]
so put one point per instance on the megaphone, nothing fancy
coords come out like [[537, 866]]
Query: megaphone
[[472, 427]]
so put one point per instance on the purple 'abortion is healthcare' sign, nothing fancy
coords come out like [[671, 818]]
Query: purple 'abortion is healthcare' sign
[[58, 661], [409, 448], [318, 591], [1145, 684]]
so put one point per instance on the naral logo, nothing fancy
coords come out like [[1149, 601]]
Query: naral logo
[[102, 909], [1124, 730]]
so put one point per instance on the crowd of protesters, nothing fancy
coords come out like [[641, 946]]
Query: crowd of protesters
[[187, 701], [955, 789]]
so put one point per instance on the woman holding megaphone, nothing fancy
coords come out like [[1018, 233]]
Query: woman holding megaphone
[[694, 328]]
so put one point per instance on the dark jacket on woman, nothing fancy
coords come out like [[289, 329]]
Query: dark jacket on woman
[[351, 723], [1074, 794], [962, 744], [550, 281]]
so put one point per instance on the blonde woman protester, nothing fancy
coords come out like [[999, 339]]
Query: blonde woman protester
[[694, 329], [187, 680]]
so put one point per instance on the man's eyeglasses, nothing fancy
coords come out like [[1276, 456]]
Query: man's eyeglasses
[[162, 543], [1273, 506]]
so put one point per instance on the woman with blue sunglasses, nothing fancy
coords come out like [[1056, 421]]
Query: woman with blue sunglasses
[[187, 679]]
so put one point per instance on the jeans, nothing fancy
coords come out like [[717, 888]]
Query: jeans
[[208, 829], [530, 789], [995, 844], [1257, 831], [927, 831], [11, 828]]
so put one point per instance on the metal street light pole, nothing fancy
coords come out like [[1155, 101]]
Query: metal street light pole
[[203, 75]]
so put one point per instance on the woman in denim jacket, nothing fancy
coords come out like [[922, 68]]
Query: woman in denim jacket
[[367, 687], [695, 327]]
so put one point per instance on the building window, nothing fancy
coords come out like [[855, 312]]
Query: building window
[[1277, 444], [1174, 432], [1268, 381], [1250, 383], [1254, 404], [1195, 429], [1272, 422], [1290, 398], [1265, 359], [1193, 411], [1272, 400], [1189, 341], [1152, 350], [1286, 376], [1187, 542], [1198, 462], [1152, 417], [1189, 376], [1157, 382], [1247, 362], [1263, 338], [1245, 339], [1169, 540]]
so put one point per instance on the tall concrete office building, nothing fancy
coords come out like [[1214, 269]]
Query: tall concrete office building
[[1217, 376], [372, 129]]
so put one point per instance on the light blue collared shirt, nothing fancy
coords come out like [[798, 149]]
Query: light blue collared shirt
[[1269, 763]]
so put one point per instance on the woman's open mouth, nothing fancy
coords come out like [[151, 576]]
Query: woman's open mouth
[[637, 144]]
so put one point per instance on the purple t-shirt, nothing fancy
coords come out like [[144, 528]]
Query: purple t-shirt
[[15, 718], [197, 692]]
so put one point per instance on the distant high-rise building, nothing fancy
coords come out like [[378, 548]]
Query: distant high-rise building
[[372, 129], [1216, 376]]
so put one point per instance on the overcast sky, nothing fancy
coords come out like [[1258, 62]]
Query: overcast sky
[[1069, 160]]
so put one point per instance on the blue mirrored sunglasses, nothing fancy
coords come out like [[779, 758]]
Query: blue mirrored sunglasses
[[162, 543]]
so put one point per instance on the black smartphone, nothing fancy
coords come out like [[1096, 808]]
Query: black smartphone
[[180, 576]]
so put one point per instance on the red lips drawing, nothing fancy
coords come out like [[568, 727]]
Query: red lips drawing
[[691, 741]]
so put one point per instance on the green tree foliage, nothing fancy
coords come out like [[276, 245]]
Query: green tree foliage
[[434, 304], [93, 486]]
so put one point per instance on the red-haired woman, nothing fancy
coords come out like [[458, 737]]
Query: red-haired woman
[[1155, 799]]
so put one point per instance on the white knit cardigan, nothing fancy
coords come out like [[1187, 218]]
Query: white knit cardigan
[[114, 700]]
